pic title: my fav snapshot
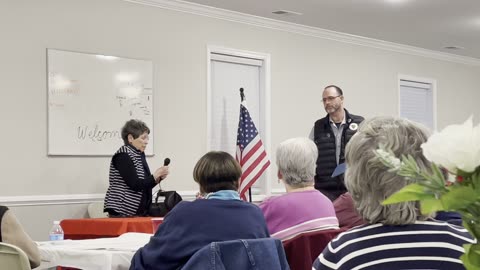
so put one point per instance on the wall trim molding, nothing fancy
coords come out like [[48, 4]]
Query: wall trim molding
[[278, 191], [67, 199], [34, 200], [233, 16]]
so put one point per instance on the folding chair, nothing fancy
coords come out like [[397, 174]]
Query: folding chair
[[13, 258]]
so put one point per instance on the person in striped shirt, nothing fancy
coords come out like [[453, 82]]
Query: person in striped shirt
[[130, 186], [302, 208], [396, 236]]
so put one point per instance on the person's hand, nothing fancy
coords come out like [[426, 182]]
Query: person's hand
[[161, 173]]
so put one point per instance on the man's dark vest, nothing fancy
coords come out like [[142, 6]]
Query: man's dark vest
[[327, 162]]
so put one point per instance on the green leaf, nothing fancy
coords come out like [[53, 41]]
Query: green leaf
[[412, 192], [469, 222], [438, 175], [464, 173], [471, 258], [430, 205], [465, 257], [476, 179], [458, 197]]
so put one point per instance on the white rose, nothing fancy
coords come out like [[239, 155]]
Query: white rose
[[455, 147]]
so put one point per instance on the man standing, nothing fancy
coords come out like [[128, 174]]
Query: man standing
[[331, 134]]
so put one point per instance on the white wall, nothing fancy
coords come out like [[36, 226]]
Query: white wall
[[38, 220], [176, 42]]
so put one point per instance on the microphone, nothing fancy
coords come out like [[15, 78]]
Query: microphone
[[166, 162]]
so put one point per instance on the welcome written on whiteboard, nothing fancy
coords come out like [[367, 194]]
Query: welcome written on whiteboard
[[96, 134]]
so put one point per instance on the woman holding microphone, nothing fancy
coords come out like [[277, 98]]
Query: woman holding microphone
[[130, 180]]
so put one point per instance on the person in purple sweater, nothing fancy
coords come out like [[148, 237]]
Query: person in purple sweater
[[302, 208], [220, 216]]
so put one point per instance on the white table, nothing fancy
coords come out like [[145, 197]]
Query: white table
[[102, 253]]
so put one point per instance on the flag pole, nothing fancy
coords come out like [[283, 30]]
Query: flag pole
[[242, 98], [242, 95]]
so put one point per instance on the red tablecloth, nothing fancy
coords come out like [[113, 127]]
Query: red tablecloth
[[89, 228]]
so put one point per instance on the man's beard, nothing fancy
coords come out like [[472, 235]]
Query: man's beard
[[332, 109]]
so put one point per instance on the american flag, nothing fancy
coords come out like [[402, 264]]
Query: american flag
[[250, 151]]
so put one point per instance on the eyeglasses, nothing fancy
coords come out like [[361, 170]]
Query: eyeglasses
[[329, 99]]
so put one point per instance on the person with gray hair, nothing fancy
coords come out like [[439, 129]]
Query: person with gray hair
[[396, 236], [302, 208]]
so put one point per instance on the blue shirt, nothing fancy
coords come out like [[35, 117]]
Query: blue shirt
[[193, 225], [223, 195]]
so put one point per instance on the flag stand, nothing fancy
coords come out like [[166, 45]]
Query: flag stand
[[242, 98], [250, 154]]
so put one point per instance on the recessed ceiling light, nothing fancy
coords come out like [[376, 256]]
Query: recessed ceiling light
[[454, 47], [476, 21], [286, 12], [396, 1]]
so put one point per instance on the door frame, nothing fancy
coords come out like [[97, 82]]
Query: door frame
[[265, 105]]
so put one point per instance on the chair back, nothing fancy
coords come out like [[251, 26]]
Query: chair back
[[303, 249], [263, 253], [95, 210], [13, 258]]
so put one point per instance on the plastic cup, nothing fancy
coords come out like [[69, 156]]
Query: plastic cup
[[156, 222]]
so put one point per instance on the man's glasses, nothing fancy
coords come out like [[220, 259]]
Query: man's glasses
[[329, 99]]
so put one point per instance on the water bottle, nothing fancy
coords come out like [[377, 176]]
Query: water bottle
[[56, 233]]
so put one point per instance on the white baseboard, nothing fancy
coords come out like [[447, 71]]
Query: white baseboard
[[278, 191], [66, 199], [50, 199]]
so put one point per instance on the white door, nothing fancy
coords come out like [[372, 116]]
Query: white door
[[229, 73]]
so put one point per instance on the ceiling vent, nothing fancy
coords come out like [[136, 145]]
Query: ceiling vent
[[454, 48], [286, 12]]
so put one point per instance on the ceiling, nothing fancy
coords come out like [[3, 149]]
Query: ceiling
[[428, 24]]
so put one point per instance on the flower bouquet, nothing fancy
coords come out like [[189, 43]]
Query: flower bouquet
[[453, 184]]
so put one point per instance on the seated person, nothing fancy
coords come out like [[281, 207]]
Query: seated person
[[11, 232], [450, 217], [397, 236], [220, 216], [302, 208], [346, 213]]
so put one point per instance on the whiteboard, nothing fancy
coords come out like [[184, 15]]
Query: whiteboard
[[90, 97]]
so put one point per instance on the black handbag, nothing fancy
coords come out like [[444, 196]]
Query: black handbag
[[164, 203]]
